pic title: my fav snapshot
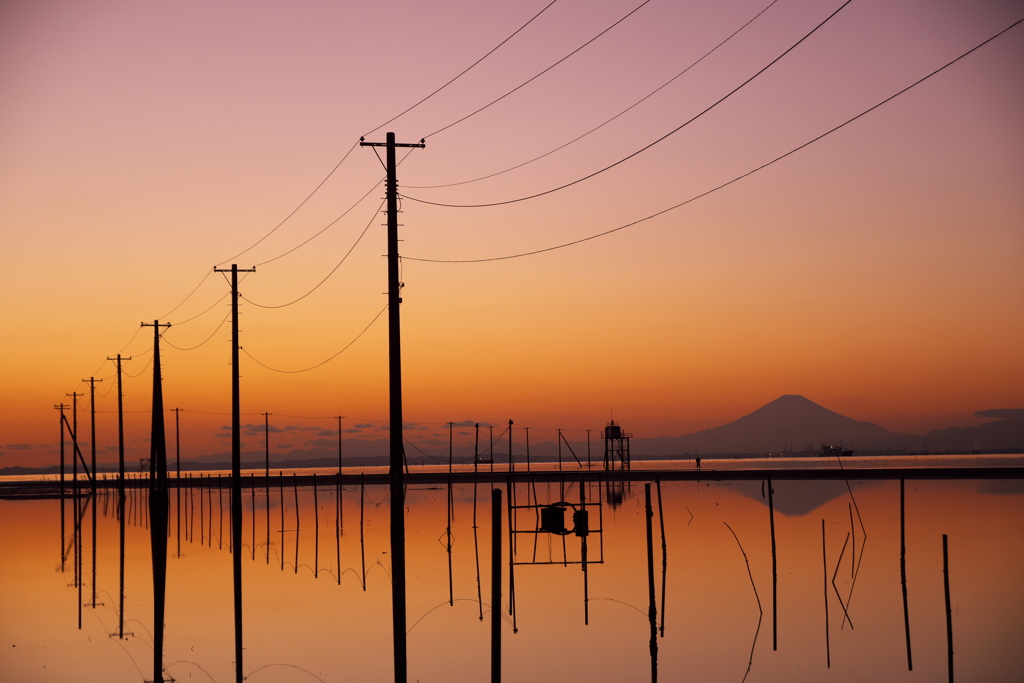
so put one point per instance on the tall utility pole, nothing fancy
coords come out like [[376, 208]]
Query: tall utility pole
[[120, 490], [236, 467], [158, 503], [395, 387]]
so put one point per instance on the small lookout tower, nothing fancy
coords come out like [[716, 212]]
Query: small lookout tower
[[616, 447]]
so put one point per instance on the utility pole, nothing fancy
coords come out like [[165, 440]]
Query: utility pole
[[92, 447], [397, 447], [177, 471], [236, 467], [92, 425], [61, 407], [338, 418], [73, 428], [120, 490], [158, 503], [266, 442]]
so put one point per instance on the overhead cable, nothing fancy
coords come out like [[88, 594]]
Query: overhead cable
[[734, 180], [333, 270], [192, 348], [463, 72], [205, 311], [530, 80], [648, 146], [295, 210], [602, 125], [323, 229], [313, 367]]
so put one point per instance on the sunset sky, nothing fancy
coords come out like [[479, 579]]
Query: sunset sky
[[878, 271]]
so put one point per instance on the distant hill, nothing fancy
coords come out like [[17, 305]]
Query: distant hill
[[789, 422], [1005, 434]]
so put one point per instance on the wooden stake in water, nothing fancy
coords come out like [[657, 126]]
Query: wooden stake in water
[[775, 574], [903, 575], [824, 564], [652, 609], [949, 613], [316, 532], [496, 585]]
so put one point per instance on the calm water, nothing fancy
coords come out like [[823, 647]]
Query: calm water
[[317, 604]]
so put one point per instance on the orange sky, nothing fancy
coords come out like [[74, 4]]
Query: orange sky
[[876, 272]]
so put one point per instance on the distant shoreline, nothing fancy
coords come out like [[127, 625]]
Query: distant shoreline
[[51, 489]]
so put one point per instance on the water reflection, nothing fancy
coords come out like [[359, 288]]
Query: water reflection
[[855, 568]]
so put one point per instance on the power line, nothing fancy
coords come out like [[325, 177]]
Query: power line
[[293, 212], [193, 348], [312, 367], [648, 146], [207, 310], [333, 270], [602, 125], [530, 80], [182, 302], [737, 178], [323, 229], [463, 72]]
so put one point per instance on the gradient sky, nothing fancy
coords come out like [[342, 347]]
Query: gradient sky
[[876, 272]]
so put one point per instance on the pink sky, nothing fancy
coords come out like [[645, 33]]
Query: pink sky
[[876, 272]]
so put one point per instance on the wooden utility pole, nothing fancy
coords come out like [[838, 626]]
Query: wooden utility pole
[[338, 418], [395, 375], [120, 491], [266, 443], [158, 502], [92, 448], [61, 407], [92, 426], [236, 467], [177, 472]]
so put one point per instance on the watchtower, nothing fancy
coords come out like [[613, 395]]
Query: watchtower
[[616, 447]]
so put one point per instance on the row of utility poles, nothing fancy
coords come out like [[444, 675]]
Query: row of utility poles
[[159, 485]]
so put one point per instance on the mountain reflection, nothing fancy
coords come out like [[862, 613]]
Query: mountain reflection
[[587, 592]]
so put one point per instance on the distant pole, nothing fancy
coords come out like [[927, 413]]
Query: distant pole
[[236, 467], [588, 449], [74, 446], [120, 490], [266, 441], [177, 472], [395, 390], [92, 427], [92, 448], [61, 407], [559, 450], [339, 448]]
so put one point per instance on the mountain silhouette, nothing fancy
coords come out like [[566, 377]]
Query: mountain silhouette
[[789, 423]]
